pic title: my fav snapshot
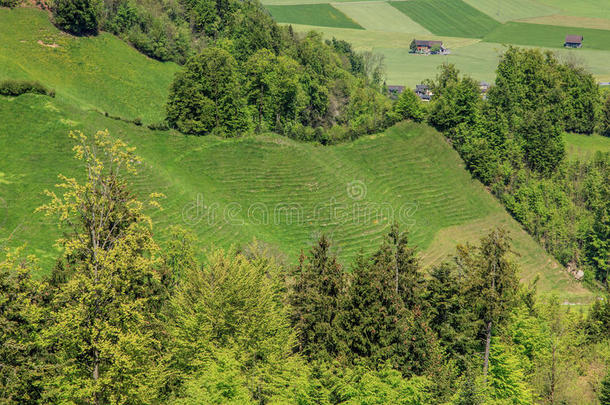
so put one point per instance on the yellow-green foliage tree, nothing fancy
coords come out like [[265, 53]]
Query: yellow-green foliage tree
[[102, 330]]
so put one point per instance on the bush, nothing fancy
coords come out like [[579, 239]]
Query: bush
[[18, 87], [78, 17], [9, 3]]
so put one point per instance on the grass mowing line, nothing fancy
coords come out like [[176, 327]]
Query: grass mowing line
[[503, 11], [380, 16], [452, 18], [408, 164], [549, 36], [133, 84], [323, 15]]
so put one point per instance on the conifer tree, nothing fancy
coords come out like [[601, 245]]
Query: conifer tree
[[604, 393], [315, 297]]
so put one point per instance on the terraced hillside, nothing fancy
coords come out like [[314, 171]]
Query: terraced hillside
[[269, 188]]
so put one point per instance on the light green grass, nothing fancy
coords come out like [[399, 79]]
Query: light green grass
[[584, 8], [409, 174], [452, 18], [322, 15], [101, 72], [292, 2], [585, 146], [380, 16], [548, 35], [503, 10]]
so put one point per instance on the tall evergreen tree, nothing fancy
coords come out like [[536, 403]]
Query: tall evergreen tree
[[604, 392], [315, 296]]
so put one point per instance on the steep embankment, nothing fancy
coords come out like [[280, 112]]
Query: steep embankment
[[233, 191]]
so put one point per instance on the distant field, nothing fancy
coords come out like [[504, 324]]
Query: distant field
[[323, 15], [584, 8], [503, 10], [571, 21], [75, 67], [585, 146], [452, 18], [380, 16], [408, 174], [547, 35]]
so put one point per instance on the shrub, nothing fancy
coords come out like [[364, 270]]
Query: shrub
[[18, 87], [9, 3], [78, 17]]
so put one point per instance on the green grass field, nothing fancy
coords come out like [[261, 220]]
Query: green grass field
[[584, 8], [323, 15], [503, 10], [585, 146], [380, 16], [452, 18], [133, 84], [408, 174], [547, 35]]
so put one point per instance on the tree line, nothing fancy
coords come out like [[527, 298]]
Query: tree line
[[121, 318], [512, 141]]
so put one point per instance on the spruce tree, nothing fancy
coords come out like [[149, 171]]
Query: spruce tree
[[604, 392], [315, 295]]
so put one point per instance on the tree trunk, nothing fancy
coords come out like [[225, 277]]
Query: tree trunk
[[553, 381], [487, 347], [96, 373]]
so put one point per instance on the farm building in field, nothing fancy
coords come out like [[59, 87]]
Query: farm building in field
[[428, 47], [484, 87], [573, 41], [423, 92], [395, 91]]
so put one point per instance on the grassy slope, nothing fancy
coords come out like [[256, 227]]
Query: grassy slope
[[452, 18], [548, 35], [323, 15], [571, 21], [503, 10], [409, 174], [133, 84], [584, 146]]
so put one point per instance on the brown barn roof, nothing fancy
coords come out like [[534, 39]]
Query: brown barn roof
[[429, 44], [574, 39]]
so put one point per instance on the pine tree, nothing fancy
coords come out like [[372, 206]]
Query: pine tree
[[315, 296]]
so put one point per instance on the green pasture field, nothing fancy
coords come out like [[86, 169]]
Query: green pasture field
[[452, 18], [102, 72], [584, 8], [549, 36], [323, 15], [504, 11], [380, 16], [232, 191]]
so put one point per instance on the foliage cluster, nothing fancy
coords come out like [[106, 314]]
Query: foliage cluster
[[18, 87], [121, 319], [512, 142]]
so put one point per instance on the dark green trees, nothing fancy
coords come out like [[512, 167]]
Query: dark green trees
[[605, 119], [206, 97], [315, 298], [604, 392], [78, 17]]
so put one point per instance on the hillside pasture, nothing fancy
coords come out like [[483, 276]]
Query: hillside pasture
[[232, 191], [322, 15], [380, 16], [31, 48], [452, 18], [549, 36], [571, 21]]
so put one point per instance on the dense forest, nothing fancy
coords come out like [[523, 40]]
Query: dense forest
[[122, 319]]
